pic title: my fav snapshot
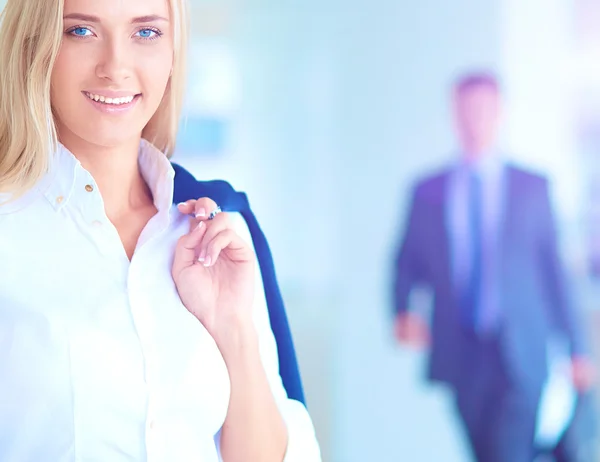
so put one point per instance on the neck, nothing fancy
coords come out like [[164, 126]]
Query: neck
[[477, 153], [117, 174]]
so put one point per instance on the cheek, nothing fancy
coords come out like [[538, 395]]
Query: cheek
[[59, 85], [154, 72], [60, 74], [68, 71]]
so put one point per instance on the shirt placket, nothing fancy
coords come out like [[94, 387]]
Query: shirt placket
[[103, 232], [147, 324], [131, 276]]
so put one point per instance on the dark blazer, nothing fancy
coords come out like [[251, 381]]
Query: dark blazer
[[186, 188], [532, 285]]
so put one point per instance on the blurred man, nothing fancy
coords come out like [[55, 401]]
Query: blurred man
[[481, 235]]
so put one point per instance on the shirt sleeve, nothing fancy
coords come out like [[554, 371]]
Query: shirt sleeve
[[302, 441]]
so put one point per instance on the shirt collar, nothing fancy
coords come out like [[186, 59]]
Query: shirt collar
[[158, 173], [488, 164], [58, 185]]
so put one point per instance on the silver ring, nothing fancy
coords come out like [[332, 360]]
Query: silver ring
[[214, 213]]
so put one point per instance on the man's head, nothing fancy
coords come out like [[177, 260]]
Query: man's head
[[477, 112]]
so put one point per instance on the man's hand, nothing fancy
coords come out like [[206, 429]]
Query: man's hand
[[411, 330], [584, 373]]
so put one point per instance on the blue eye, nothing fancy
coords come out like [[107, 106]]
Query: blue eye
[[81, 32], [148, 34]]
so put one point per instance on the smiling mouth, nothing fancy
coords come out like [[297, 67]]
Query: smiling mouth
[[111, 101]]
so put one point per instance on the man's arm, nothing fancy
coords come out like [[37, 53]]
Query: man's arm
[[409, 328], [583, 370], [407, 264], [553, 269]]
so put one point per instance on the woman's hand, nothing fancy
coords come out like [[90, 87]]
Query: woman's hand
[[213, 270]]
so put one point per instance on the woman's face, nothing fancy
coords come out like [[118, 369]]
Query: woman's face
[[112, 70]]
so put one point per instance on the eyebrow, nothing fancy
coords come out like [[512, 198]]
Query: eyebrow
[[138, 20]]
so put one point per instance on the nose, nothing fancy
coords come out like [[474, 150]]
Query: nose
[[115, 62]]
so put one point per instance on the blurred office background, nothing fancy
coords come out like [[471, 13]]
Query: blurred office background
[[324, 112], [329, 111]]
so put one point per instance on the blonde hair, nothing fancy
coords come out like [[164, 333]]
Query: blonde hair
[[31, 32]]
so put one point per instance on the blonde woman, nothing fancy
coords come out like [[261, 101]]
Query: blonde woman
[[128, 330]]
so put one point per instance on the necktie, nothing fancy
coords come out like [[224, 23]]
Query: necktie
[[471, 302]]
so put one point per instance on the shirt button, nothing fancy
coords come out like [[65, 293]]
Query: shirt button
[[89, 188], [59, 199], [96, 224], [152, 425]]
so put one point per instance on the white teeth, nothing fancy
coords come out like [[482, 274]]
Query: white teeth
[[114, 101]]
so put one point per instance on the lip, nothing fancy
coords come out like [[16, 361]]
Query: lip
[[111, 108]]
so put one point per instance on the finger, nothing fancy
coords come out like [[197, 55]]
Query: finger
[[193, 224], [186, 207], [227, 240], [219, 224], [186, 249], [203, 207]]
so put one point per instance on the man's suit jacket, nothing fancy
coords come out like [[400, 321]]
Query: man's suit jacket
[[531, 281]]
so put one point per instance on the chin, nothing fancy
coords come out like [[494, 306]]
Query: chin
[[108, 138], [112, 133], [102, 131]]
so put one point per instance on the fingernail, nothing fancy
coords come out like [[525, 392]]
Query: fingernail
[[207, 262], [200, 259], [181, 203], [202, 255], [200, 213], [200, 225]]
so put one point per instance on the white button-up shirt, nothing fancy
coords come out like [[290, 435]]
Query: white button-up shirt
[[99, 359]]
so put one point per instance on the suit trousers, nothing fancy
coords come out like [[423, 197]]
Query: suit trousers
[[499, 415]]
